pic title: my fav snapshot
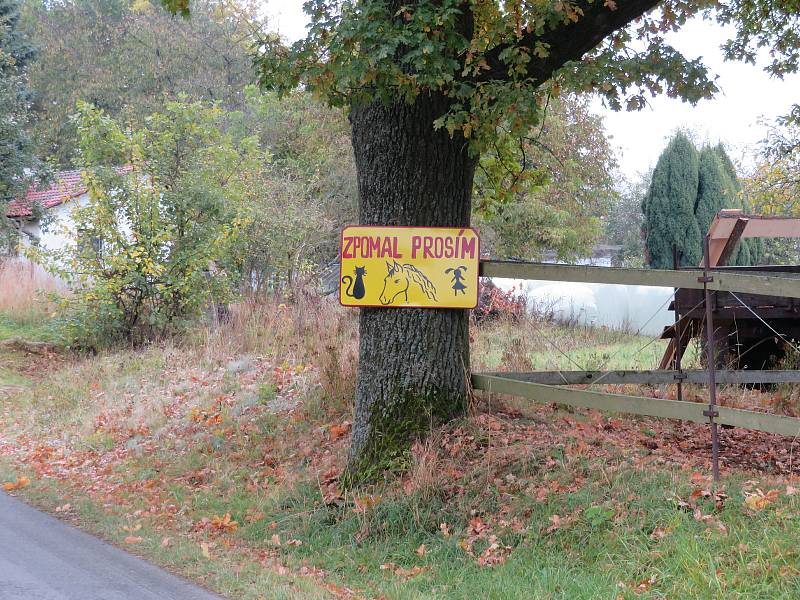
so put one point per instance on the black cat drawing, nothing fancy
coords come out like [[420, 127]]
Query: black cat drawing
[[355, 290]]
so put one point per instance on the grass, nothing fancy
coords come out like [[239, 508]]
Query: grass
[[14, 365], [24, 287], [538, 344], [161, 451], [606, 550], [36, 330]]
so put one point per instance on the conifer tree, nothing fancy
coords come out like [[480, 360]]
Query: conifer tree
[[669, 206], [750, 251], [714, 189]]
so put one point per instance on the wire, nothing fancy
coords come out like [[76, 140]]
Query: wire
[[544, 337], [757, 316], [596, 381], [559, 350]]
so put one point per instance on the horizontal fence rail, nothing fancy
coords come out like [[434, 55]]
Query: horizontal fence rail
[[637, 405], [727, 281], [658, 377]]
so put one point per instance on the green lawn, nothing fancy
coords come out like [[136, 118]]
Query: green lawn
[[29, 329], [621, 532], [543, 345], [625, 533]]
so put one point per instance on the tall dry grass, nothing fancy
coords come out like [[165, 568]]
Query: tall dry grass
[[24, 289], [310, 330]]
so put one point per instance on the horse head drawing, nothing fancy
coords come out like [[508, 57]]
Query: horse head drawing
[[399, 278]]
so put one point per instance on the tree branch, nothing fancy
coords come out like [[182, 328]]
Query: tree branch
[[568, 42]]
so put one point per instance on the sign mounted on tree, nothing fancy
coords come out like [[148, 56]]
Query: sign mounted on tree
[[422, 267]]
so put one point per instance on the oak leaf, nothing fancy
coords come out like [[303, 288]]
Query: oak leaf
[[17, 485], [224, 523]]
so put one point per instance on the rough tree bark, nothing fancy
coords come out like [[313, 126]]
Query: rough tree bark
[[413, 363]]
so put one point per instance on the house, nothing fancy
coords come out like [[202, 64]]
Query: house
[[43, 215]]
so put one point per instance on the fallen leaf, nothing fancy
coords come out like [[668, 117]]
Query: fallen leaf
[[276, 539], [555, 521], [421, 550], [253, 515], [293, 543], [445, 529], [17, 485], [365, 503], [132, 539], [337, 431], [660, 533], [400, 571], [224, 523], [759, 500], [165, 542], [477, 526], [466, 546]]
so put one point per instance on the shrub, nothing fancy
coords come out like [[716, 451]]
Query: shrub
[[494, 303], [152, 246]]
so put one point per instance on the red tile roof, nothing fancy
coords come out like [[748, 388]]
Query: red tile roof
[[66, 186]]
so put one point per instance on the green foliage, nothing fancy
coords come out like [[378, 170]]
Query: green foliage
[[490, 61], [16, 158], [714, 190], [296, 204], [130, 56], [774, 186], [718, 188], [774, 25], [548, 190], [669, 206], [749, 251], [625, 223], [152, 246]]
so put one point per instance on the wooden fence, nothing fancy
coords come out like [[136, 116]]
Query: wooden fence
[[548, 386], [725, 281]]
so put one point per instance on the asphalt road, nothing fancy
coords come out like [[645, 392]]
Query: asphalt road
[[42, 558]]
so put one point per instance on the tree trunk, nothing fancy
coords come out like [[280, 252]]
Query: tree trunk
[[413, 363]]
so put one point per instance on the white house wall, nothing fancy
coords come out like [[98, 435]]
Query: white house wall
[[59, 231]]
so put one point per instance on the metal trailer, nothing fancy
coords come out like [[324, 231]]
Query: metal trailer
[[751, 331]]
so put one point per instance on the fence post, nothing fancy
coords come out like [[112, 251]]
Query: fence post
[[676, 264], [711, 358]]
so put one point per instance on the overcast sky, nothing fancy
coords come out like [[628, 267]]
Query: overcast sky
[[748, 100]]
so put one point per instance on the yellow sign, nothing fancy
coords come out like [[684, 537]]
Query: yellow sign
[[424, 267]]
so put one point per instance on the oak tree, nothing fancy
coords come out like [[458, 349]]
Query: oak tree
[[427, 84]]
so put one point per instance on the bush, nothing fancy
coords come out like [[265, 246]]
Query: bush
[[495, 304], [152, 246]]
